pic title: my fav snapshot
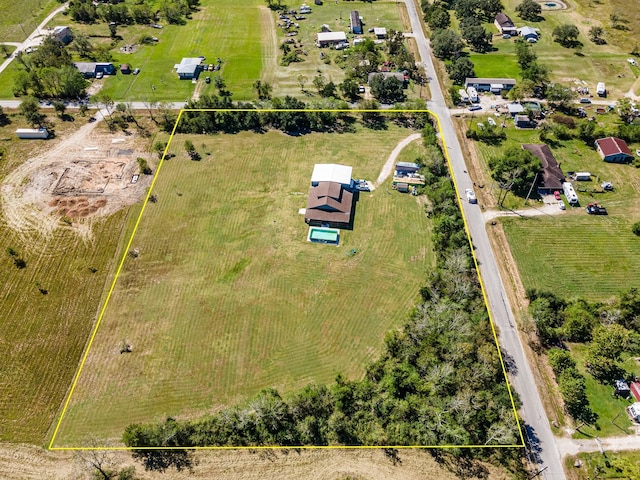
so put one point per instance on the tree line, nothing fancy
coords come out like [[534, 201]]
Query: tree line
[[437, 381]]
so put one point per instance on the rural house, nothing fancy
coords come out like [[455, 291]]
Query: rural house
[[613, 149], [356, 22], [330, 38], [504, 24], [329, 205], [62, 34], [91, 69], [189, 68], [552, 177], [495, 85]]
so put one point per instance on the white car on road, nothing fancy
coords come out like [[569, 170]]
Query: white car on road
[[471, 197]]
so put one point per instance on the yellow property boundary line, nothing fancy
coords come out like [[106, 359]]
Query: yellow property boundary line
[[135, 228]]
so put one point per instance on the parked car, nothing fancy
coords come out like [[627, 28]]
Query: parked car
[[556, 195], [361, 89], [471, 197], [585, 100], [474, 108], [207, 80], [491, 122], [210, 67], [362, 185], [99, 75], [595, 209], [561, 205], [136, 71]]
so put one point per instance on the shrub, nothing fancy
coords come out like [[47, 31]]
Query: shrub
[[635, 228]]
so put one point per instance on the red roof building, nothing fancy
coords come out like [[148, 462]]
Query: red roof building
[[613, 149], [635, 390]]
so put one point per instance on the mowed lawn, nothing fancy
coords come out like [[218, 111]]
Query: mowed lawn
[[576, 255], [225, 29], [227, 297], [43, 335], [20, 19]]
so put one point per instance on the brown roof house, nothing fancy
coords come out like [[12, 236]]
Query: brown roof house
[[552, 176], [504, 24], [613, 149], [330, 205]]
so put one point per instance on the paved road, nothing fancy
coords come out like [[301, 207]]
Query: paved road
[[35, 38], [542, 447]]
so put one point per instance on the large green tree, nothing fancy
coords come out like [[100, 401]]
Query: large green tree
[[514, 170], [387, 89], [446, 44], [529, 10], [459, 69], [30, 108], [566, 35]]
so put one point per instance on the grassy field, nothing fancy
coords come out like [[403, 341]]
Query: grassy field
[[575, 255], [593, 63], [382, 13], [19, 19], [220, 28], [227, 297], [44, 335]]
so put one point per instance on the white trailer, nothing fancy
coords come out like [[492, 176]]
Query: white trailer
[[570, 193], [463, 95], [601, 90], [583, 176], [30, 133], [473, 94]]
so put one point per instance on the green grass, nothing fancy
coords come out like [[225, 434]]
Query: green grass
[[619, 465], [575, 255], [227, 297], [612, 417], [19, 19], [220, 28], [593, 63], [43, 335]]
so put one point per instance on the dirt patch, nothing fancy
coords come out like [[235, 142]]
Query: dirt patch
[[21, 462], [85, 175]]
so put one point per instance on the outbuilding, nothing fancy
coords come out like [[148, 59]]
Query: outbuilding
[[504, 24], [523, 121], [404, 168], [530, 34], [380, 32], [32, 133], [356, 22], [615, 150], [582, 176], [324, 39], [515, 109], [332, 172]]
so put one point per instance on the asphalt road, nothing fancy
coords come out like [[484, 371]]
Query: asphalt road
[[542, 448]]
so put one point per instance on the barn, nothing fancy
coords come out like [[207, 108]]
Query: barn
[[615, 150]]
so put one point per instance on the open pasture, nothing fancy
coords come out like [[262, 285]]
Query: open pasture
[[227, 297], [19, 19]]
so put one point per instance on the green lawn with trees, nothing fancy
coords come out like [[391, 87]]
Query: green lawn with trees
[[227, 297]]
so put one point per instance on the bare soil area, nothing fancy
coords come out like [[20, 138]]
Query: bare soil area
[[90, 173], [23, 462]]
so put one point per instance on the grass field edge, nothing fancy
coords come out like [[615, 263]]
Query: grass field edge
[[51, 446]]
